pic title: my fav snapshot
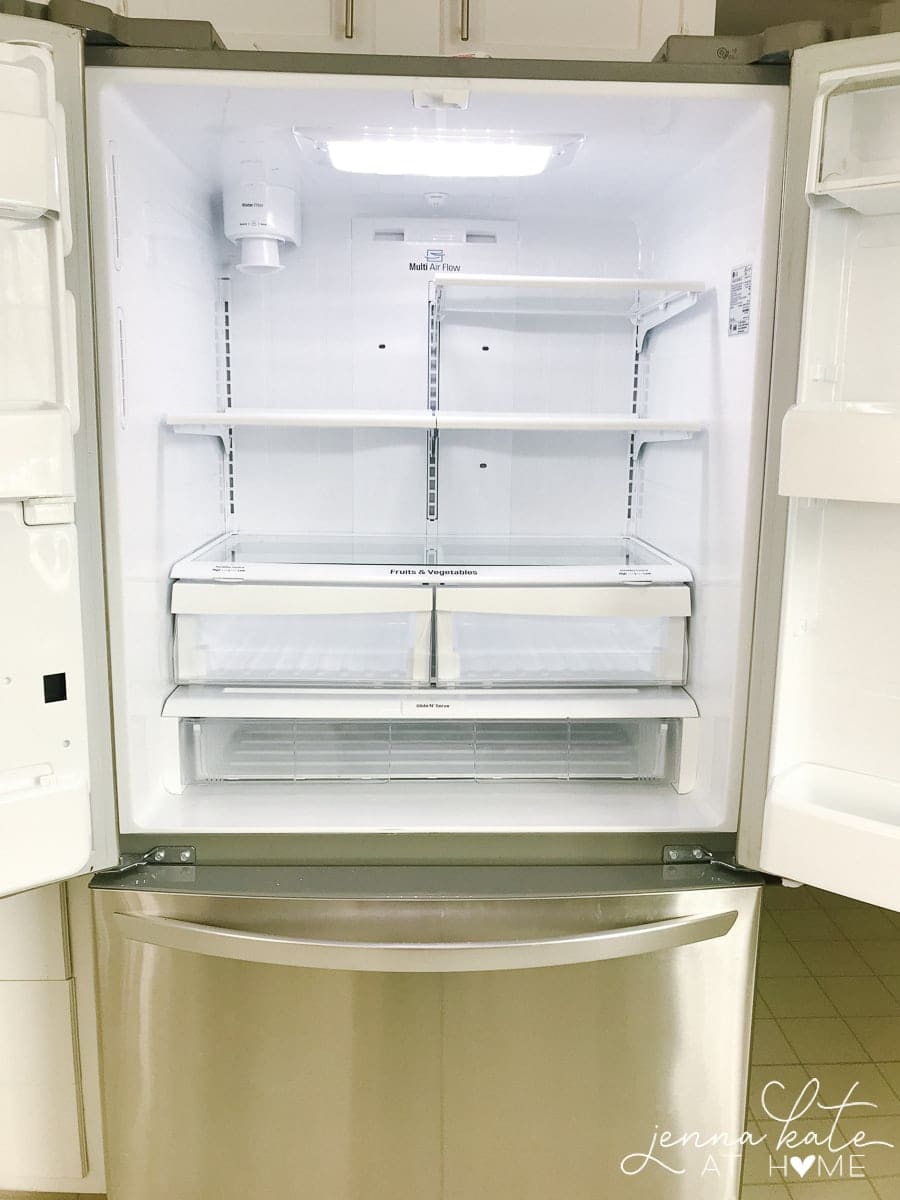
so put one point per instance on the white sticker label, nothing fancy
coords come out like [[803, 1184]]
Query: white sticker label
[[739, 300], [229, 570], [412, 708]]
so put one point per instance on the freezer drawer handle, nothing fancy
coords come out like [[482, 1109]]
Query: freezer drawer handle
[[427, 957]]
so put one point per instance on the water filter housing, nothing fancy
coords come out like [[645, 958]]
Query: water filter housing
[[259, 217]]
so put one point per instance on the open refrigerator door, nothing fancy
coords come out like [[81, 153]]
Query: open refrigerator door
[[52, 826], [831, 815]]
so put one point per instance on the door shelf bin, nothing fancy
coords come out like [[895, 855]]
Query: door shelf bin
[[247, 749], [598, 636], [256, 634]]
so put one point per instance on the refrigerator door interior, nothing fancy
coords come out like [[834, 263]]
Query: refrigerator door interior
[[832, 795], [424, 1034], [47, 829]]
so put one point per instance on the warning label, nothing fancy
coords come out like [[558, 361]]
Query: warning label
[[739, 300]]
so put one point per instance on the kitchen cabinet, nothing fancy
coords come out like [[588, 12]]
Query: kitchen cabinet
[[613, 29], [628, 30], [329, 26], [50, 1136]]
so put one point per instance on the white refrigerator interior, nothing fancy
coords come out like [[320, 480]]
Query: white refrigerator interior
[[452, 479]]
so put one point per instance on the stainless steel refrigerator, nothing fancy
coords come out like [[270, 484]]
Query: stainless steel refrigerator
[[433, 541]]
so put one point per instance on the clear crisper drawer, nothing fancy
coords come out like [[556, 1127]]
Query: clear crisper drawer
[[591, 636], [216, 750], [229, 633]]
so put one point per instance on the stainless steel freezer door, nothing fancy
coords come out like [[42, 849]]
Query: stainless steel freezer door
[[423, 1048]]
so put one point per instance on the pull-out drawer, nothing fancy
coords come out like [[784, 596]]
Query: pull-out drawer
[[243, 633], [595, 636], [247, 750]]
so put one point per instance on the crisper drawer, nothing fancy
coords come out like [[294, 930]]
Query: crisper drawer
[[593, 636], [236, 633], [247, 749]]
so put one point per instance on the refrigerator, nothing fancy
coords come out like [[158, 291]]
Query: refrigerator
[[447, 557]]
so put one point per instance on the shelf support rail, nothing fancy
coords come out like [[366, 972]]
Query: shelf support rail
[[432, 455], [651, 315]]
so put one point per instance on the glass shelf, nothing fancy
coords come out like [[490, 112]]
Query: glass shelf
[[648, 428], [645, 302], [325, 558]]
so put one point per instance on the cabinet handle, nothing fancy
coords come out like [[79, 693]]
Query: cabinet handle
[[349, 16], [464, 21]]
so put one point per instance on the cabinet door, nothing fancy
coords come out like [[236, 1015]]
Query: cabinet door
[[338, 26], [606, 30], [826, 705], [50, 828]]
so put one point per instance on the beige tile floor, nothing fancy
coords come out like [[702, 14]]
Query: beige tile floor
[[827, 1007]]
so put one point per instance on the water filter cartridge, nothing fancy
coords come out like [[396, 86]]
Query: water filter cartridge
[[260, 217]]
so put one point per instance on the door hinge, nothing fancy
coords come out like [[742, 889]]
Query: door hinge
[[102, 27], [677, 855], [156, 856], [773, 45]]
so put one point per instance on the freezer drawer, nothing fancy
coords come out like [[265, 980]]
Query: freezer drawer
[[233, 633], [592, 636], [422, 1034]]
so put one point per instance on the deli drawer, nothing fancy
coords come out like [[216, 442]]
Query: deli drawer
[[239, 633], [590, 636]]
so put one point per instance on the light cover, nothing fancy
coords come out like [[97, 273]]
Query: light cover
[[440, 155]]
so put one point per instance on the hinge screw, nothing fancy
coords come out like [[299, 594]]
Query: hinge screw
[[697, 852], [185, 856], [160, 855]]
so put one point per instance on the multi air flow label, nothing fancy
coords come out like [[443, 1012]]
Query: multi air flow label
[[435, 259], [739, 300]]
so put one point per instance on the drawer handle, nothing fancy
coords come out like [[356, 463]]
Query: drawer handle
[[427, 957], [349, 18]]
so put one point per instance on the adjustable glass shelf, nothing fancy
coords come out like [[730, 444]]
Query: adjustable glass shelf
[[217, 424], [346, 558], [644, 302]]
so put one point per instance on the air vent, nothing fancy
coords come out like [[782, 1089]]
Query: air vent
[[481, 239], [388, 235]]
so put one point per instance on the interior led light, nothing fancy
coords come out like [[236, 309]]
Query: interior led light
[[439, 157]]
